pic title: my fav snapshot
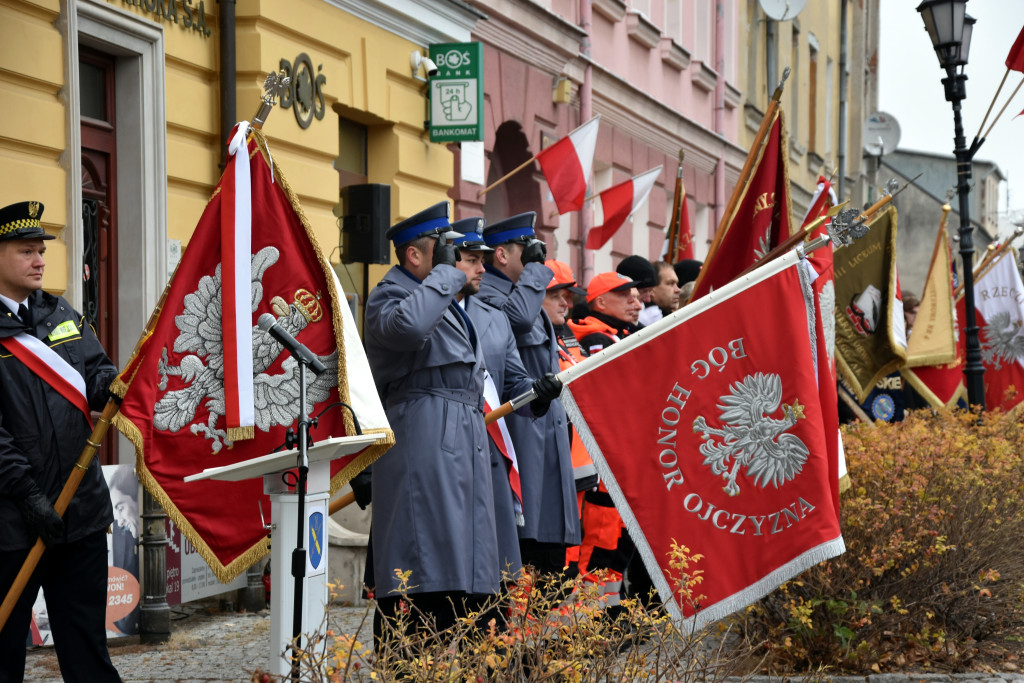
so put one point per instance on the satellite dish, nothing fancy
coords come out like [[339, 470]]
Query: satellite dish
[[782, 10], [881, 134]]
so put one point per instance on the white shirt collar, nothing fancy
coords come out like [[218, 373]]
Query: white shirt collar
[[12, 304]]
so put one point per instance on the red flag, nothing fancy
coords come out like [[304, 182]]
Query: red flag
[[685, 233], [999, 307], [723, 450], [824, 198], [761, 220], [567, 163], [822, 264], [618, 203], [173, 409], [1015, 58]]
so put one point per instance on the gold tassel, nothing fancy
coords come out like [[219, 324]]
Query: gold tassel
[[241, 433]]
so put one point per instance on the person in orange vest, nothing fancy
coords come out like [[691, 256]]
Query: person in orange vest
[[557, 303], [611, 298]]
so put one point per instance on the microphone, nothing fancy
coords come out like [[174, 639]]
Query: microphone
[[268, 324]]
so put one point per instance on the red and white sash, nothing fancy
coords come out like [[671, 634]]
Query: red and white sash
[[498, 432], [236, 283], [51, 368]]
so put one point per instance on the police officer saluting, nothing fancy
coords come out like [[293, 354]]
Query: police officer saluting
[[508, 378], [44, 425], [516, 282]]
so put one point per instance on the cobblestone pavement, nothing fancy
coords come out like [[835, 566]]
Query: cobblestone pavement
[[209, 645], [205, 645]]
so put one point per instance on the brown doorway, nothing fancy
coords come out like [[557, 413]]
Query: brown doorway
[[99, 205]]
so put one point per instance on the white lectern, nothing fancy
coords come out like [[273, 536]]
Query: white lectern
[[284, 510]]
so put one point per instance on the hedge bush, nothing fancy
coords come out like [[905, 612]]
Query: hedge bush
[[934, 567]]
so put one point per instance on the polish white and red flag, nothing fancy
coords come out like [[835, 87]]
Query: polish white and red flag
[[567, 164], [724, 452], [999, 311], [824, 198], [618, 203]]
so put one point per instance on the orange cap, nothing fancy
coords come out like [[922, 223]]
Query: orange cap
[[563, 279], [608, 282]]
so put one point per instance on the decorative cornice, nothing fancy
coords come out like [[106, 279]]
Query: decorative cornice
[[733, 96], [612, 10], [640, 29], [533, 34], [752, 116], [661, 127], [703, 76], [420, 21], [796, 151], [674, 54]]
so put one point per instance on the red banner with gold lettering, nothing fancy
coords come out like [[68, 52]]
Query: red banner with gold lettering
[[761, 220]]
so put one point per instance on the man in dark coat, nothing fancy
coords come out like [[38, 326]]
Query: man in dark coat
[[43, 429], [516, 282]]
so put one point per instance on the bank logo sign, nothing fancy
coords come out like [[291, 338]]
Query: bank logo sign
[[457, 92]]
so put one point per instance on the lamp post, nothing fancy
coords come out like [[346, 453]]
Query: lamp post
[[950, 28]]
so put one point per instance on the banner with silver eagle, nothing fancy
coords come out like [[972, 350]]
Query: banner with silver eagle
[[721, 459], [252, 252]]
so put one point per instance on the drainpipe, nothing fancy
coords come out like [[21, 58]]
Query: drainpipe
[[719, 114], [842, 99], [228, 70], [586, 113]]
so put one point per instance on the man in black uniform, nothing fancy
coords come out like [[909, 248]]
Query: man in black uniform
[[43, 428]]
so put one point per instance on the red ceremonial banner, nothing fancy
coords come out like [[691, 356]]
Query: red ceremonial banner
[[723, 450], [174, 410], [761, 220]]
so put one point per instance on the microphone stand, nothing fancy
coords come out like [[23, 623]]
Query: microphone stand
[[299, 553]]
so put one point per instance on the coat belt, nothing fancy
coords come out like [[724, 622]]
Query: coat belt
[[469, 398]]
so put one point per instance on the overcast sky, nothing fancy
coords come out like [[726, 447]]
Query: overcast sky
[[910, 87]]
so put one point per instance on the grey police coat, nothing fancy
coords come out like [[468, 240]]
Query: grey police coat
[[510, 380], [542, 444], [433, 502]]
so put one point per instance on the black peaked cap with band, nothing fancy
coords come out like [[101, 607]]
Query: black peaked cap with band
[[21, 221]]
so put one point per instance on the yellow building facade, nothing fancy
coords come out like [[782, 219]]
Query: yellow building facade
[[113, 120], [810, 44]]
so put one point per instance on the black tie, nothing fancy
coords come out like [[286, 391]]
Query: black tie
[[25, 315]]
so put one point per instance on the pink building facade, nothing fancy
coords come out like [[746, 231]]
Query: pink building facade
[[660, 73]]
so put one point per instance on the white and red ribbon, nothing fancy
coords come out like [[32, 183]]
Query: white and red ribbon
[[236, 283], [51, 368], [498, 431]]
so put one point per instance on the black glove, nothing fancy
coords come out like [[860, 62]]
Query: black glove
[[534, 252], [362, 489], [40, 517], [446, 253], [547, 388]]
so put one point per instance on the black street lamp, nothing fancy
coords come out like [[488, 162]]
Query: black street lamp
[[950, 28]]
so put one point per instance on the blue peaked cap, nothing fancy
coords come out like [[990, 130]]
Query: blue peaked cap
[[426, 222], [510, 229], [471, 230]]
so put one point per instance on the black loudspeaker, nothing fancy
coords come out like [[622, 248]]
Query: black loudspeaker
[[366, 220]]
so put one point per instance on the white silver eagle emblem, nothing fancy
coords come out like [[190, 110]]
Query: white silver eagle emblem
[[276, 396], [751, 438], [1003, 341]]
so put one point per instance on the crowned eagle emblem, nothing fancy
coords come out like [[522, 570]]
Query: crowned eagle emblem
[[1003, 341], [276, 395], [751, 438]]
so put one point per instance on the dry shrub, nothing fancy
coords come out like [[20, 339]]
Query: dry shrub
[[934, 566], [548, 638]]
